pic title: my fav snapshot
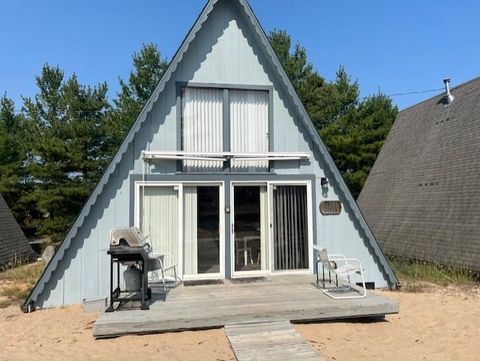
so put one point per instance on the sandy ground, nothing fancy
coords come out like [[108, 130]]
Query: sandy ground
[[438, 324], [66, 334]]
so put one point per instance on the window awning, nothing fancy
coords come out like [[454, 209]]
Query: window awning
[[222, 156]]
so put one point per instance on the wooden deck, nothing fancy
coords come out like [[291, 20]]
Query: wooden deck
[[272, 341], [286, 298]]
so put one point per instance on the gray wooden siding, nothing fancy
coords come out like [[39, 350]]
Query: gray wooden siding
[[221, 53]]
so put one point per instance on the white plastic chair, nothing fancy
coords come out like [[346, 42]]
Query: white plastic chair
[[342, 267]]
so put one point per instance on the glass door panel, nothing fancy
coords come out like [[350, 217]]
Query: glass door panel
[[201, 248], [250, 221]]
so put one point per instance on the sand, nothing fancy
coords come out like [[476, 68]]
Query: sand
[[66, 334], [438, 324]]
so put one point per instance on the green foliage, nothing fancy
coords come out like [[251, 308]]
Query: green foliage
[[66, 126], [13, 149], [53, 153], [10, 150], [325, 101], [353, 129], [356, 137], [305, 79], [148, 68]]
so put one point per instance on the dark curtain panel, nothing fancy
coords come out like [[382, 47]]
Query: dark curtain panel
[[290, 227]]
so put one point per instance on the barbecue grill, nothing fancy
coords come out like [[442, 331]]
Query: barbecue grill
[[128, 247], [128, 237]]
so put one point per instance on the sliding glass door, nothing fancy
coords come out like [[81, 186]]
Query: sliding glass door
[[184, 221], [271, 228]]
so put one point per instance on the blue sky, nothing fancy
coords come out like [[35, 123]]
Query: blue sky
[[391, 46]]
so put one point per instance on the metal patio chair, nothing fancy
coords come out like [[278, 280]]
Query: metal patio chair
[[159, 265], [342, 267]]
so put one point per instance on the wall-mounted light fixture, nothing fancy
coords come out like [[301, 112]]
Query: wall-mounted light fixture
[[324, 182]]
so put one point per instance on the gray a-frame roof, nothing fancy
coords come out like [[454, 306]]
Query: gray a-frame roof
[[13, 243], [321, 151], [422, 198]]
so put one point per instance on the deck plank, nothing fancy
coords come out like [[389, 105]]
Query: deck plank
[[269, 341], [293, 299]]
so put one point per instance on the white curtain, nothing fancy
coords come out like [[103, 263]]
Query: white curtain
[[190, 246], [202, 114], [264, 228], [249, 126], [159, 218]]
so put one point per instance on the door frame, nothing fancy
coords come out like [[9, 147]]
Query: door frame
[[308, 185], [270, 271], [244, 274], [179, 187]]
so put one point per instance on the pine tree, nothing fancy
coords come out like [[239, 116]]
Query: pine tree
[[355, 139], [66, 123], [353, 130], [306, 81], [148, 68], [13, 148]]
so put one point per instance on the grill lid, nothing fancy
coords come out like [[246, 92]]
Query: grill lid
[[130, 237]]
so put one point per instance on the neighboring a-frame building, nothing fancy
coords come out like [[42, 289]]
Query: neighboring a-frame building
[[422, 197], [223, 169], [14, 247]]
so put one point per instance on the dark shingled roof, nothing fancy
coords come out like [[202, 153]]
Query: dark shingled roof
[[422, 197], [13, 243]]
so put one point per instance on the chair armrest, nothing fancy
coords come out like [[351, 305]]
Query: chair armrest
[[318, 248], [163, 257], [169, 267], [336, 256], [342, 258], [156, 255], [355, 260]]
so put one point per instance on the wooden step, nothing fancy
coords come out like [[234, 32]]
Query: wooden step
[[276, 341]]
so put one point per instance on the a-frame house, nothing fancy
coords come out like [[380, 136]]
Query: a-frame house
[[421, 197], [14, 247], [223, 169]]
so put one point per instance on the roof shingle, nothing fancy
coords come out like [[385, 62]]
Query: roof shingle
[[422, 196], [13, 243]]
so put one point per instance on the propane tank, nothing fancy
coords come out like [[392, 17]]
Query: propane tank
[[133, 279]]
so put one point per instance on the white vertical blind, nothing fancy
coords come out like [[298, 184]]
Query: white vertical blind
[[202, 116], [190, 259], [249, 126], [159, 218]]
